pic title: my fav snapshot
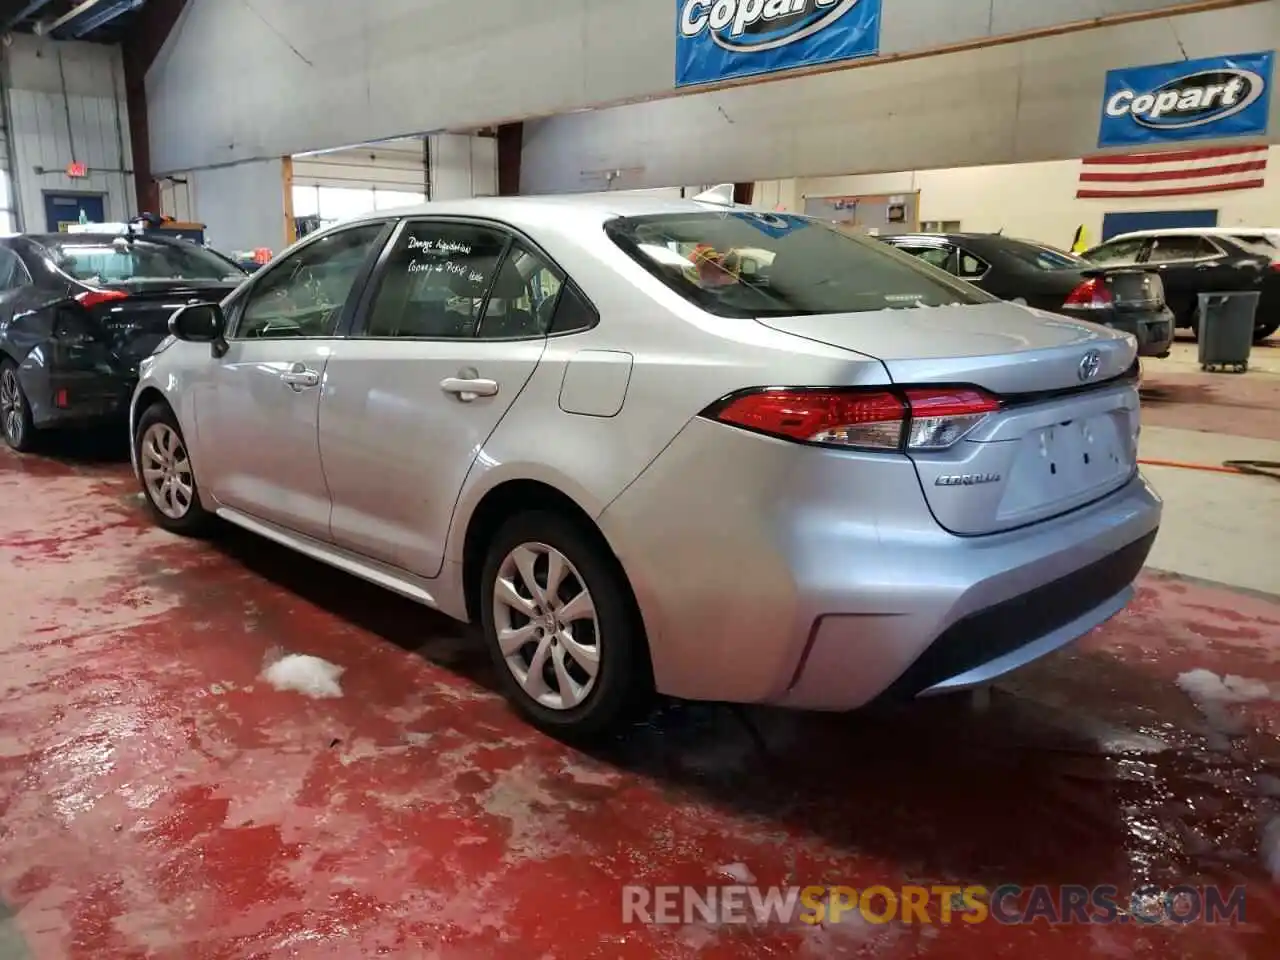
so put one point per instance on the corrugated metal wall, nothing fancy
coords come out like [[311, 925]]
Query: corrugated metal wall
[[66, 104]]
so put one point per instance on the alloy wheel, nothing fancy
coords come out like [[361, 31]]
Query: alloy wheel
[[166, 470], [12, 407], [547, 627]]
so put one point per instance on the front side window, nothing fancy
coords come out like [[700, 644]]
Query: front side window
[[101, 262], [303, 296], [1117, 251], [435, 281], [802, 266]]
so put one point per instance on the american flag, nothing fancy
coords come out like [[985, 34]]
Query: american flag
[[1172, 173]]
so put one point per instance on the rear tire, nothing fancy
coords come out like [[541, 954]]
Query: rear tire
[[573, 660], [167, 475], [15, 411]]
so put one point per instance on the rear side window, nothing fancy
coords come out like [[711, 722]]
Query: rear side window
[[436, 279], [1164, 249], [800, 266], [573, 312], [938, 256]]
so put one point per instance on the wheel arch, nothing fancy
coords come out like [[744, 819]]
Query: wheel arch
[[147, 397]]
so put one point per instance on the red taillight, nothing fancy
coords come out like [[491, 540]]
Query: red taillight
[[93, 298], [1274, 266], [1092, 294], [924, 418]]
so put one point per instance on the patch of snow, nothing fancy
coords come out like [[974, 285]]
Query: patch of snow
[[737, 872], [1205, 686], [309, 676]]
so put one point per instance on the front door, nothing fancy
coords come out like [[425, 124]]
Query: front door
[[257, 416], [449, 335], [63, 209]]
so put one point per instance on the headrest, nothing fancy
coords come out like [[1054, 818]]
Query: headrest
[[508, 285]]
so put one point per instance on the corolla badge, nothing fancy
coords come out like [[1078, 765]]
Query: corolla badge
[[751, 26], [1205, 96], [1090, 365]]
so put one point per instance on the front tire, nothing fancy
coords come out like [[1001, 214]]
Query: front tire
[[561, 626], [15, 412], [167, 475]]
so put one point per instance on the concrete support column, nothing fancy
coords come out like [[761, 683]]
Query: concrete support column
[[146, 36], [510, 146]]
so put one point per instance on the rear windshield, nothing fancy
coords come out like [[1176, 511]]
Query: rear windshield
[[1256, 239], [1042, 257], [748, 264], [120, 261]]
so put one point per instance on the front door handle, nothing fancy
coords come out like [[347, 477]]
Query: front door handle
[[467, 386], [299, 376]]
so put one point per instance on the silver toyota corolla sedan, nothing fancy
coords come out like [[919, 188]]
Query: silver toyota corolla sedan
[[653, 445]]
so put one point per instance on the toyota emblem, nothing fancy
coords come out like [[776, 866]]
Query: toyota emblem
[[1090, 364]]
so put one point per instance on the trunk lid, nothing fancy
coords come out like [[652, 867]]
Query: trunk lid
[[1066, 434], [1131, 289], [1005, 348], [135, 324]]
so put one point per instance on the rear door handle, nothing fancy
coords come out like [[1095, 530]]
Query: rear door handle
[[467, 389], [299, 377]]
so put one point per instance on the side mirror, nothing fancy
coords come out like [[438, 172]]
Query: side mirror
[[200, 323]]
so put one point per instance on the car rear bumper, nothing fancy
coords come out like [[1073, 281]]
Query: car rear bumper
[[768, 572], [65, 398], [1153, 329]]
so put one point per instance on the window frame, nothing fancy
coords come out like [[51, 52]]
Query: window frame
[[360, 319], [245, 293]]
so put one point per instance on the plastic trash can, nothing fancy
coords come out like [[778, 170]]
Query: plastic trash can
[[1226, 329]]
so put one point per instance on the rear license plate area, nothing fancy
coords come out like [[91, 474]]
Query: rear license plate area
[[1070, 461]]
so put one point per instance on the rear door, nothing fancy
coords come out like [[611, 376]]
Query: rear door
[[447, 337], [1189, 265]]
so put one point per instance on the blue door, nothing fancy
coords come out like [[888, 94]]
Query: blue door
[[1114, 224], [61, 209]]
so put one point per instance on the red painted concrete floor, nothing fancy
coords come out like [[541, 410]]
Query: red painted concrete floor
[[158, 800]]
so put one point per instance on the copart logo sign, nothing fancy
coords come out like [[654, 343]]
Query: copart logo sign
[[722, 39], [1191, 100]]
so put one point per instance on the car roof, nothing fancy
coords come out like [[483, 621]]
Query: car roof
[[51, 239], [977, 239], [550, 212], [1198, 232]]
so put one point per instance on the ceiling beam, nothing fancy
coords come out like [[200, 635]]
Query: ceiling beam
[[21, 13]]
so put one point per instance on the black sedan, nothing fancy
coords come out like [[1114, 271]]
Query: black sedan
[[77, 314], [1129, 298], [1192, 262]]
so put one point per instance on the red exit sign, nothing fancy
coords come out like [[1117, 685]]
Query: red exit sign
[[77, 170]]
